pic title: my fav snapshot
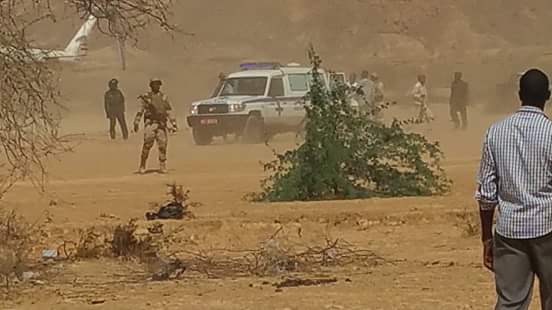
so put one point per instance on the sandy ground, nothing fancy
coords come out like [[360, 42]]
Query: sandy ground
[[431, 263]]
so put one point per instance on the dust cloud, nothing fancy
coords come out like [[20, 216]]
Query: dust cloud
[[436, 267]]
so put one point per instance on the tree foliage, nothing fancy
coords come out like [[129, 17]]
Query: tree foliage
[[29, 94], [348, 154]]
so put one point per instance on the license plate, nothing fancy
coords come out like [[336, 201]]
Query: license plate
[[209, 121]]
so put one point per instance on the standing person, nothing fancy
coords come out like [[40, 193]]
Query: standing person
[[419, 95], [352, 78], [156, 111], [221, 79], [365, 95], [459, 101], [114, 104], [514, 177], [379, 95]]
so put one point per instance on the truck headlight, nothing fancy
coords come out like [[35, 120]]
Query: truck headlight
[[194, 110], [236, 107]]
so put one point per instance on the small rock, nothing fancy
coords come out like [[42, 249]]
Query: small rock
[[109, 216], [141, 231], [28, 275], [97, 301], [363, 224]]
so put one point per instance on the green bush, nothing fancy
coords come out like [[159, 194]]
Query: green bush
[[346, 154]]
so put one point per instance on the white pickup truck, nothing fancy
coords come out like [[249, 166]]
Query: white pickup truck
[[261, 100]]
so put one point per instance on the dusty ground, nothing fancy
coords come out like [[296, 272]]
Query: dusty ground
[[432, 264]]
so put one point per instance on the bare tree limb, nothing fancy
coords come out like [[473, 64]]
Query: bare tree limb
[[29, 93]]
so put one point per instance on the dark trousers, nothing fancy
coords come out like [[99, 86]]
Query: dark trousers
[[122, 123], [455, 112], [516, 262]]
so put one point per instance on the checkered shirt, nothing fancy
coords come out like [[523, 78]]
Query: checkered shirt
[[515, 174]]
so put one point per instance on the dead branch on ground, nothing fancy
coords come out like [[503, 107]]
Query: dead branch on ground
[[271, 258], [295, 282]]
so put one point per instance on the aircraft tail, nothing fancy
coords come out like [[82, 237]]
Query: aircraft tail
[[78, 46]]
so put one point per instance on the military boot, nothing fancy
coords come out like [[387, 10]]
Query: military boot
[[142, 169], [163, 168]]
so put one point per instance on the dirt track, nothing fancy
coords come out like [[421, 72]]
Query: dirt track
[[430, 263]]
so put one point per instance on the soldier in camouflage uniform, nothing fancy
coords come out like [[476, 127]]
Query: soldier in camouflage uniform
[[156, 111]]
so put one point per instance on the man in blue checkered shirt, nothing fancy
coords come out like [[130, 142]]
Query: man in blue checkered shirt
[[515, 177]]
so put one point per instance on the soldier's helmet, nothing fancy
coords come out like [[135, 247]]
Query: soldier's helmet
[[113, 82], [364, 74], [154, 81]]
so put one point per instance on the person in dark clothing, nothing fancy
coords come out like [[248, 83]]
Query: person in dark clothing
[[222, 78], [459, 101], [114, 101]]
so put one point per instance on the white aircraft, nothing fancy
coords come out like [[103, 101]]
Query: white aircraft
[[76, 49]]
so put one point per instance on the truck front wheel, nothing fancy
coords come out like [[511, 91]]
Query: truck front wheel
[[202, 137], [254, 130]]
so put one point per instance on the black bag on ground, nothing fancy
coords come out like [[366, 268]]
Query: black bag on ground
[[172, 210]]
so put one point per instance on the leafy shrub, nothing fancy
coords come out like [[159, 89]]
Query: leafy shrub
[[347, 154]]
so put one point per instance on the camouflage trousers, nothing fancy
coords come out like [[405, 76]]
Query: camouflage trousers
[[154, 133]]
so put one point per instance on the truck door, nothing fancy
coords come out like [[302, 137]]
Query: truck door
[[298, 86], [277, 104]]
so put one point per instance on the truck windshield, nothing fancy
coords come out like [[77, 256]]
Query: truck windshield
[[244, 86]]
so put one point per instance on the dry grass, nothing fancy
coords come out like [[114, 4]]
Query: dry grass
[[18, 241], [468, 222]]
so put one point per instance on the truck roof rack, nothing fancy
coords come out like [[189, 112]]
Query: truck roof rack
[[260, 66]]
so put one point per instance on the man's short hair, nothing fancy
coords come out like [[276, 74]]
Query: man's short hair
[[534, 86]]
